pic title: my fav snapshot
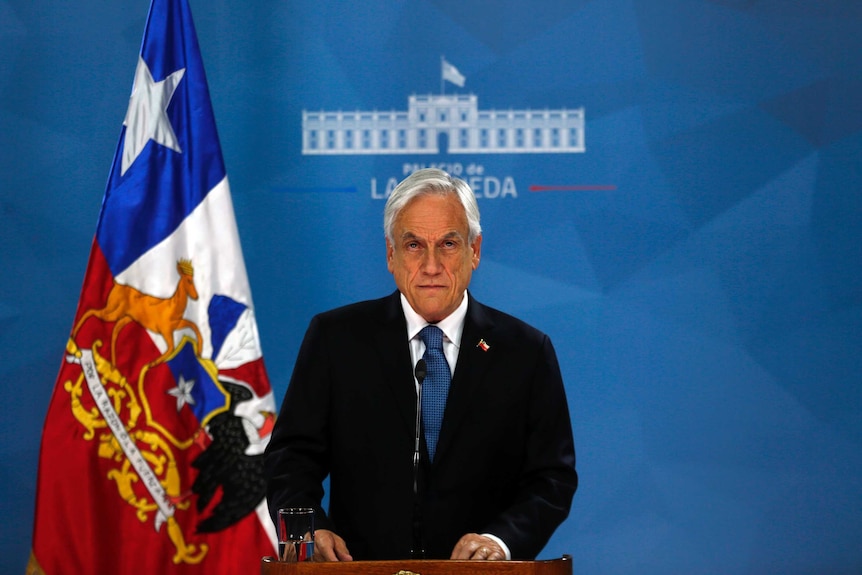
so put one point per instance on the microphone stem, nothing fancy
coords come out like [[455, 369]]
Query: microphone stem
[[416, 444], [417, 552]]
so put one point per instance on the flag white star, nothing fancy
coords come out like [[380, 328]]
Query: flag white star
[[183, 392], [146, 118]]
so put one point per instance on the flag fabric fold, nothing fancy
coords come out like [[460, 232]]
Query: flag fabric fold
[[451, 74], [151, 455]]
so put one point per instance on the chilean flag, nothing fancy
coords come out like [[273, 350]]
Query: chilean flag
[[151, 456]]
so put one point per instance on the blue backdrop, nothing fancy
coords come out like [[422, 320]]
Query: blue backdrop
[[696, 262]]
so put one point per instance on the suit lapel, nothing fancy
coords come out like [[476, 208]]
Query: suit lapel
[[390, 342], [469, 376]]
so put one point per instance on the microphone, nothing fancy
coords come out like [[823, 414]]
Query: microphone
[[421, 371], [418, 552]]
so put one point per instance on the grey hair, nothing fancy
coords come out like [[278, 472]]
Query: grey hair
[[431, 181]]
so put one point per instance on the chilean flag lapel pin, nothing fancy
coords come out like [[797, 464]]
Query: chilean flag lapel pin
[[483, 345]]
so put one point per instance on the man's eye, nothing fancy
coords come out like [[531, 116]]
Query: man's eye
[[412, 245]]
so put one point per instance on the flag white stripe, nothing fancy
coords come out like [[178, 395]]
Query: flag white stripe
[[209, 237]]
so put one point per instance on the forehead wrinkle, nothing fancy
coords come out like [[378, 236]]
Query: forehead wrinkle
[[409, 235]]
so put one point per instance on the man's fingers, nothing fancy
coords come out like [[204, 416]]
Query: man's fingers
[[477, 547], [330, 547]]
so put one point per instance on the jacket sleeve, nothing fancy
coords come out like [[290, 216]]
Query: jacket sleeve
[[547, 480], [297, 454]]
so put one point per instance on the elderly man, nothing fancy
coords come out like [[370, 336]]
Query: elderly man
[[488, 470]]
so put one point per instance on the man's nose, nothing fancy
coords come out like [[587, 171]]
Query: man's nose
[[431, 262]]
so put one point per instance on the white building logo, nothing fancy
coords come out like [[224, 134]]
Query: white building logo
[[444, 123]]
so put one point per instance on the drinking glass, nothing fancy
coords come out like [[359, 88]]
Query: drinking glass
[[295, 534]]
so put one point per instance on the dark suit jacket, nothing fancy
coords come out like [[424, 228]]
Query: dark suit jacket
[[505, 459]]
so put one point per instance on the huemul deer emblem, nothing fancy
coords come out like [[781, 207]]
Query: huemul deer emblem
[[161, 315]]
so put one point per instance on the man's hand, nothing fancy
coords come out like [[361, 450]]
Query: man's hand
[[330, 547], [477, 547]]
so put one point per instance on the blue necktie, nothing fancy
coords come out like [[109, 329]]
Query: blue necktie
[[436, 385]]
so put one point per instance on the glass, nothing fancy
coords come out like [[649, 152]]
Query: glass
[[295, 534]]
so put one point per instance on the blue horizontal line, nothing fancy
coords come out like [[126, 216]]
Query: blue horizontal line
[[316, 190]]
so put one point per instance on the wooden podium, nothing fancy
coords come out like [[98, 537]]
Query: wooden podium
[[561, 566]]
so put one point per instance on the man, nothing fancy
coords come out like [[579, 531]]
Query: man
[[498, 476]]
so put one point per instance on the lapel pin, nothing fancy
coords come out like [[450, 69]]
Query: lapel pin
[[483, 345]]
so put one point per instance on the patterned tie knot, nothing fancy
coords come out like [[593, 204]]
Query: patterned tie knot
[[432, 336]]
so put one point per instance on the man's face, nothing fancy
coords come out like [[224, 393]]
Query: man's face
[[431, 259]]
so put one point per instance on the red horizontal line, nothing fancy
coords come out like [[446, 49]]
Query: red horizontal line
[[582, 188]]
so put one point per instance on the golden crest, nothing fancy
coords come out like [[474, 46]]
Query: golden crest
[[143, 452]]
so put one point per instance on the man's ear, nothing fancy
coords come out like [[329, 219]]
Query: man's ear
[[390, 253], [477, 251]]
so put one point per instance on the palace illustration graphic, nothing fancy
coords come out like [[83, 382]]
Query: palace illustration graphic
[[443, 123]]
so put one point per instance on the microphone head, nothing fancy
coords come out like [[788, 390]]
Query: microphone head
[[421, 371]]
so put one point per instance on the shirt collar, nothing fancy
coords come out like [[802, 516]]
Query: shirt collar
[[452, 326]]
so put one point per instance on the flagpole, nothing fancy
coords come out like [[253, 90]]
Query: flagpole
[[442, 81]]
